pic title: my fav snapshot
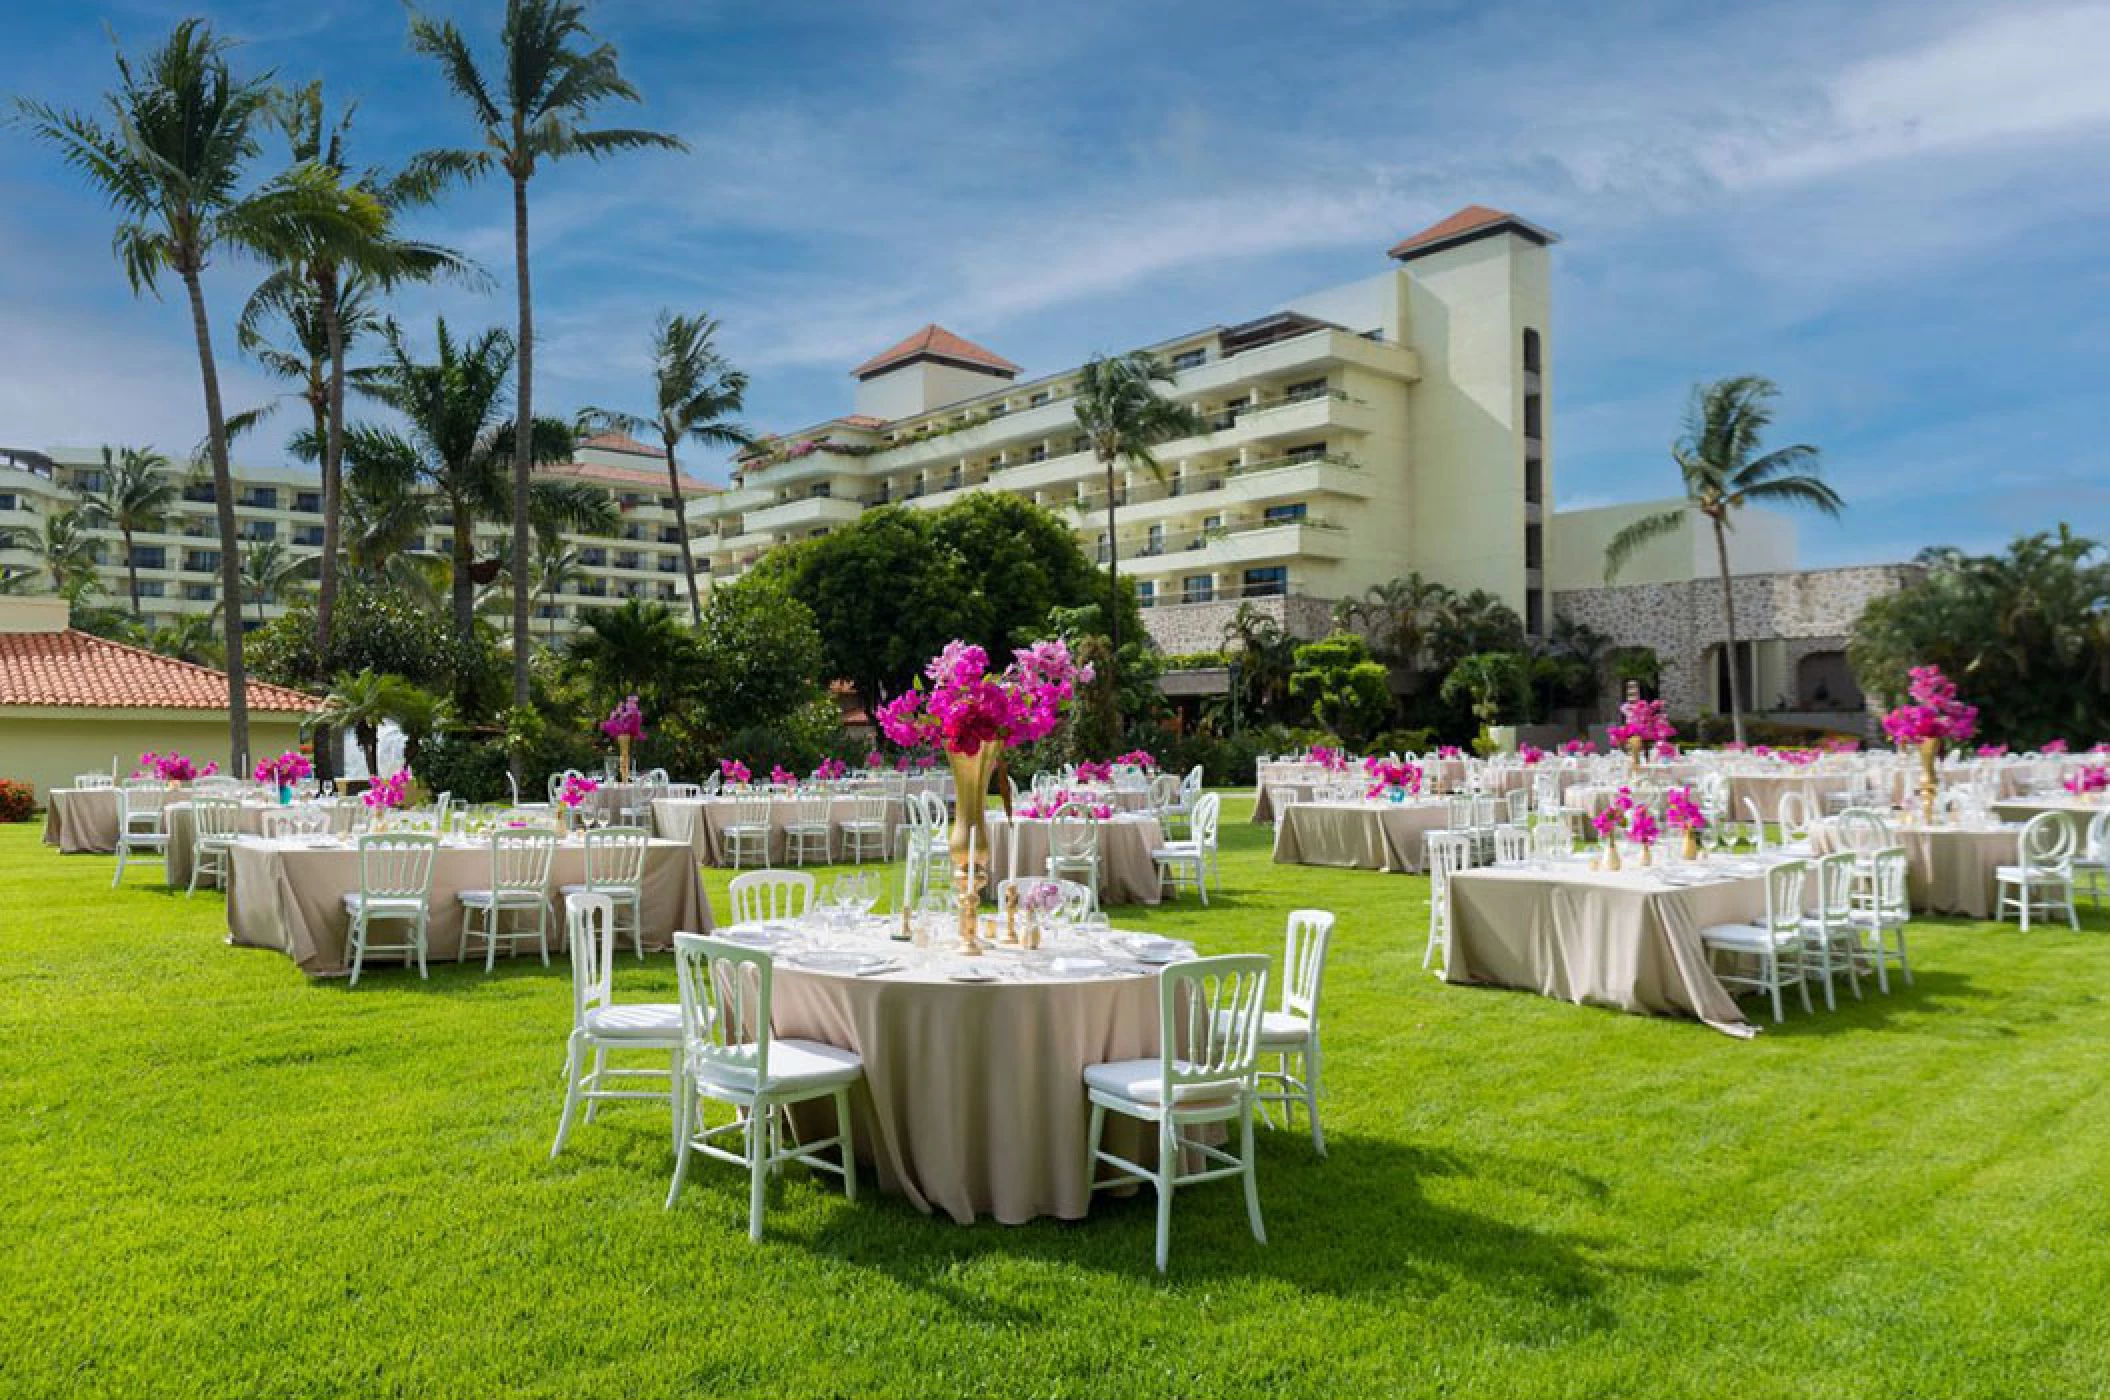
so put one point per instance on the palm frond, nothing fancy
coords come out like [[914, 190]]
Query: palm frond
[[1630, 539]]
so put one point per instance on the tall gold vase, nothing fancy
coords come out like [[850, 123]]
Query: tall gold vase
[[971, 773], [622, 758], [1930, 749]]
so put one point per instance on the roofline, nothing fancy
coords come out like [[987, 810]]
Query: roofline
[[1508, 223], [874, 370]]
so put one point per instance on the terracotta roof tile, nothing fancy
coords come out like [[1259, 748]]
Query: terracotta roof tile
[[864, 420], [1472, 220], [935, 343], [625, 476], [75, 669], [619, 442]]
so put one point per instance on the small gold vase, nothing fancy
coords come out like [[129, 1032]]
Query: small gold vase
[[1691, 849], [1611, 853]]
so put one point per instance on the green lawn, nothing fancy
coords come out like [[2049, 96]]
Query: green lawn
[[221, 1179]]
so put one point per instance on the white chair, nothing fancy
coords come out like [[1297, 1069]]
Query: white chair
[[298, 820], [746, 832], [1831, 944], [929, 846], [2091, 868], [2042, 884], [1448, 853], [140, 828], [556, 782], [687, 792], [214, 825], [713, 784], [1773, 946], [807, 830], [1553, 840], [94, 780], [1758, 824], [1796, 811], [1883, 915], [395, 885], [763, 895], [1197, 854], [520, 866], [866, 830], [1512, 845], [730, 1056], [615, 866], [1073, 848], [1209, 1015], [1291, 1034], [1517, 803], [600, 1024]]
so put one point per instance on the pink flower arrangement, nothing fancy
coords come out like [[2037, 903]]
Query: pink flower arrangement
[[1061, 798], [387, 794], [830, 770], [1934, 714], [1991, 751], [782, 776], [732, 770], [1645, 720], [875, 759], [625, 721], [1137, 758], [1530, 754], [1089, 772], [1388, 775], [285, 770], [577, 788], [1641, 826], [2054, 746], [1576, 747], [1840, 743], [1041, 897], [1681, 811], [1331, 759], [1666, 750], [2094, 778], [926, 760], [966, 707], [1614, 815], [1449, 751], [172, 767], [2103, 747], [1797, 758]]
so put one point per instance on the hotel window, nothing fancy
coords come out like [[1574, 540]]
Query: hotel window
[[200, 492], [1154, 540], [149, 556], [197, 593], [1038, 452], [261, 497], [8, 501], [1531, 351], [260, 530], [1534, 425], [1284, 515], [1534, 547], [307, 534], [1305, 389], [1535, 613], [308, 501], [1198, 588], [201, 561], [1038, 399], [1146, 593], [150, 588], [1189, 359], [1271, 582]]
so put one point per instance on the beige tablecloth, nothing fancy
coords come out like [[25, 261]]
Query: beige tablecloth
[[1765, 789], [973, 1099], [1948, 869], [183, 831], [2078, 811], [1127, 874], [81, 821], [700, 823], [290, 897], [1358, 835], [1623, 940]]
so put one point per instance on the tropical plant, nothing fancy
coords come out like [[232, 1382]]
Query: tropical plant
[[1348, 692], [67, 551], [552, 74], [269, 569], [358, 703], [696, 393], [1398, 615], [1266, 656], [422, 715], [640, 649], [1470, 623], [1493, 683], [758, 658], [1123, 417], [1724, 471], [137, 493], [188, 637], [171, 153], [555, 567]]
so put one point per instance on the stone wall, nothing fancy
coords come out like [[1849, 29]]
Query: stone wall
[[1188, 627], [1808, 611]]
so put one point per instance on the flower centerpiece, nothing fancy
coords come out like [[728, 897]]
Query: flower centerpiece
[[1641, 826], [875, 760], [975, 717], [2055, 746], [1932, 718], [283, 772], [1575, 748], [1137, 758], [734, 773], [1991, 751], [2088, 781], [624, 723], [385, 795], [831, 770], [172, 767], [1680, 811], [1391, 779], [1091, 771], [780, 776], [1646, 727], [1531, 755], [574, 794], [1328, 758], [1612, 819]]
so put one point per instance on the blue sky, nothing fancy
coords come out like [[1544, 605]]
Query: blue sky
[[1896, 210]]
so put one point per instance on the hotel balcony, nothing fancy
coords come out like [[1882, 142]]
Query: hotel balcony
[[1255, 542], [805, 513], [1214, 488], [1299, 357]]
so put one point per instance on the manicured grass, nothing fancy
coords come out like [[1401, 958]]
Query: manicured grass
[[221, 1179]]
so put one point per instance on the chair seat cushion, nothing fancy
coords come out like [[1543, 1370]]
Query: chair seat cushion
[[506, 899], [793, 1065], [648, 1021], [1142, 1081], [383, 904], [612, 891], [2023, 875], [1746, 936], [1177, 850]]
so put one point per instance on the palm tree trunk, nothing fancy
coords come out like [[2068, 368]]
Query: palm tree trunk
[[131, 569], [523, 439], [332, 472], [1113, 583], [1736, 685], [230, 538], [681, 527], [464, 583]]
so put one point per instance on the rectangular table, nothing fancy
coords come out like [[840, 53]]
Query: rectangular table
[[289, 896], [700, 822], [179, 855], [1358, 835], [1948, 869], [81, 821], [1127, 874]]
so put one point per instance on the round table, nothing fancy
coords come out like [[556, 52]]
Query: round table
[[1948, 869], [1127, 874]]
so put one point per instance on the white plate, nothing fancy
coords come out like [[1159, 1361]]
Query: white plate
[[839, 960], [971, 974], [1155, 950], [1080, 967], [750, 936]]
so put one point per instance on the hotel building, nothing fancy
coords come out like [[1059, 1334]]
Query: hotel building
[[1397, 423], [179, 564]]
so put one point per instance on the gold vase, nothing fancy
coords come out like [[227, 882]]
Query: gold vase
[[1692, 844], [1633, 750], [1611, 852], [622, 758], [1930, 749], [971, 773], [1648, 855]]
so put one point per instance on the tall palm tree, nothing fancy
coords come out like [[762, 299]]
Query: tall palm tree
[[325, 281], [557, 566], [1399, 614], [188, 637], [1123, 417], [269, 569], [67, 551], [553, 74], [171, 152], [1723, 469], [696, 393], [138, 492], [639, 648]]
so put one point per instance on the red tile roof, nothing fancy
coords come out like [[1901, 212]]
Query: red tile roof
[[626, 476], [935, 343], [75, 669], [1473, 221], [619, 442], [863, 420]]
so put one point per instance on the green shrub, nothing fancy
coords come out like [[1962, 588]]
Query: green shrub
[[18, 800]]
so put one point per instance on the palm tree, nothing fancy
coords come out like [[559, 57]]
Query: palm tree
[[269, 569], [357, 703], [696, 392], [553, 74], [1399, 615], [188, 637], [1123, 416], [137, 494], [1267, 656], [556, 567], [170, 153], [323, 284], [67, 552], [1718, 456], [639, 648]]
